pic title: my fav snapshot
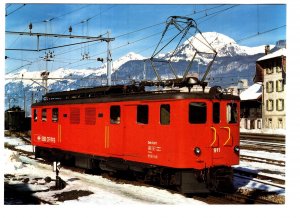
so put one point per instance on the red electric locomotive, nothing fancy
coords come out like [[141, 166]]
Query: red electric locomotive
[[188, 139]]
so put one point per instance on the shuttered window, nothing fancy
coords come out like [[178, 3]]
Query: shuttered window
[[74, 115]]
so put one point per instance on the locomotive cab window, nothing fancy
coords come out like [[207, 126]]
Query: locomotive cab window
[[115, 114], [197, 112], [216, 112], [232, 113], [44, 114], [142, 114], [54, 114], [165, 114], [35, 118]]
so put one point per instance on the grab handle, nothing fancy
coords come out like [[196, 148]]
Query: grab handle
[[215, 136], [229, 135]]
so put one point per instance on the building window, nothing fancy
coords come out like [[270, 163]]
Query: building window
[[270, 105], [216, 112], [278, 66], [197, 112], [115, 114], [44, 114], [270, 122], [280, 123], [280, 104], [142, 114], [270, 86], [165, 114], [231, 112], [279, 85], [54, 114], [269, 68], [259, 124], [35, 117]]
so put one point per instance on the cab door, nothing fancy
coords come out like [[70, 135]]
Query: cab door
[[217, 132], [114, 131]]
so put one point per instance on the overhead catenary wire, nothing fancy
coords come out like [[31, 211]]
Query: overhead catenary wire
[[15, 10], [122, 34], [141, 29]]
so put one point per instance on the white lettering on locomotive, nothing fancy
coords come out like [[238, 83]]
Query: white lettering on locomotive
[[48, 139], [153, 149], [217, 150]]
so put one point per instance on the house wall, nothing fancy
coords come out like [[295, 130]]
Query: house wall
[[274, 107]]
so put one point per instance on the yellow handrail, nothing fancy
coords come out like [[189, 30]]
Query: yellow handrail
[[229, 135], [215, 135]]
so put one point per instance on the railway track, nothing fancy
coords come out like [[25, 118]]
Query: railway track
[[264, 179], [262, 160], [263, 137], [262, 146]]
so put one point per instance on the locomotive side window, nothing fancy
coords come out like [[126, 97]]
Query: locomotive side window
[[90, 116], [231, 113], [54, 114], [44, 114], [142, 114], [35, 115], [165, 114], [216, 112], [197, 112], [74, 115], [115, 114]]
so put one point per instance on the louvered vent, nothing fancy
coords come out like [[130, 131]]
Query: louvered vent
[[74, 115], [90, 116]]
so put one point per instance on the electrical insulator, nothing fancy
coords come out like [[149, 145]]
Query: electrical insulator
[[30, 27], [70, 30], [100, 59]]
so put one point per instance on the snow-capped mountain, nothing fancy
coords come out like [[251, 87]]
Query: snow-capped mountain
[[224, 45], [72, 74]]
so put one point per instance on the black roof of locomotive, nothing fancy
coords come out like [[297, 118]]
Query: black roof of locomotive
[[121, 93]]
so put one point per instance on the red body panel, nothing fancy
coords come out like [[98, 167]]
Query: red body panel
[[153, 143]]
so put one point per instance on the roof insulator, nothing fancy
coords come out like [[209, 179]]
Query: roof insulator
[[70, 30]]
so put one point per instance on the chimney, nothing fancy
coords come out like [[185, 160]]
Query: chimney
[[267, 49]]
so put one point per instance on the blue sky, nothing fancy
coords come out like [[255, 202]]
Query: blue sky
[[123, 22]]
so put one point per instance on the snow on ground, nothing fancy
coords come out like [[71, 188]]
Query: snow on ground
[[263, 154], [18, 143], [104, 191]]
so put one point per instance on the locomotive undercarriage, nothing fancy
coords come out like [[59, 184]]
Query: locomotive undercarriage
[[184, 180]]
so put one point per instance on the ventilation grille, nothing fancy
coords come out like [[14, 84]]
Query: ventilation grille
[[90, 116], [74, 115]]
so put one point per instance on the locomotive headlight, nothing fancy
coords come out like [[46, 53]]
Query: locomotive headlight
[[236, 149], [197, 151]]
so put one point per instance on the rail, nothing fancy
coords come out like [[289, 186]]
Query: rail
[[263, 137]]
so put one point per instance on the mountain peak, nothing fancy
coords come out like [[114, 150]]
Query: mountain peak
[[215, 39]]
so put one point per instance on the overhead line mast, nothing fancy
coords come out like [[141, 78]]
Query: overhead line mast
[[90, 38]]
